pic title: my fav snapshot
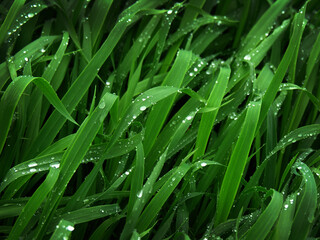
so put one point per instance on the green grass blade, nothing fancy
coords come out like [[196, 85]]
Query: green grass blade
[[12, 95], [32, 50], [34, 203], [307, 204], [161, 110], [88, 214], [63, 230], [214, 101], [159, 199], [238, 160], [284, 64], [262, 27], [79, 87], [14, 10], [137, 178], [263, 226], [72, 157], [284, 224]]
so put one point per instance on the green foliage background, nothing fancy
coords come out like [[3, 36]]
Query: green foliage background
[[159, 119]]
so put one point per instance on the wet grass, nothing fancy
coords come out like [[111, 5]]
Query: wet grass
[[159, 120]]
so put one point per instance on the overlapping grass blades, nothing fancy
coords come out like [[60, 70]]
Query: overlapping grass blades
[[177, 119]]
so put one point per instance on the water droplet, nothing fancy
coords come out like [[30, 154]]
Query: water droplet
[[139, 195], [70, 228], [247, 57], [32, 164], [203, 164], [102, 104], [33, 170], [55, 165], [142, 108], [30, 15], [189, 118], [169, 11]]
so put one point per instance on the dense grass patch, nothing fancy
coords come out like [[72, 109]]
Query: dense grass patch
[[159, 119]]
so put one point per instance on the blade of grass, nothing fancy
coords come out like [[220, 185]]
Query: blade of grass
[[238, 160], [72, 157], [34, 203], [262, 227], [12, 95], [214, 101]]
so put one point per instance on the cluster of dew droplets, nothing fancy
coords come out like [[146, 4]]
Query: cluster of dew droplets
[[69, 228], [24, 17], [212, 66], [108, 84], [196, 68], [233, 116], [142, 102], [290, 201], [93, 154], [169, 16]]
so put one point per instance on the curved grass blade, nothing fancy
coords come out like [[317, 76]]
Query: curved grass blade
[[306, 205], [263, 226], [12, 95], [292, 137], [291, 86], [32, 50], [296, 135], [78, 89]]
